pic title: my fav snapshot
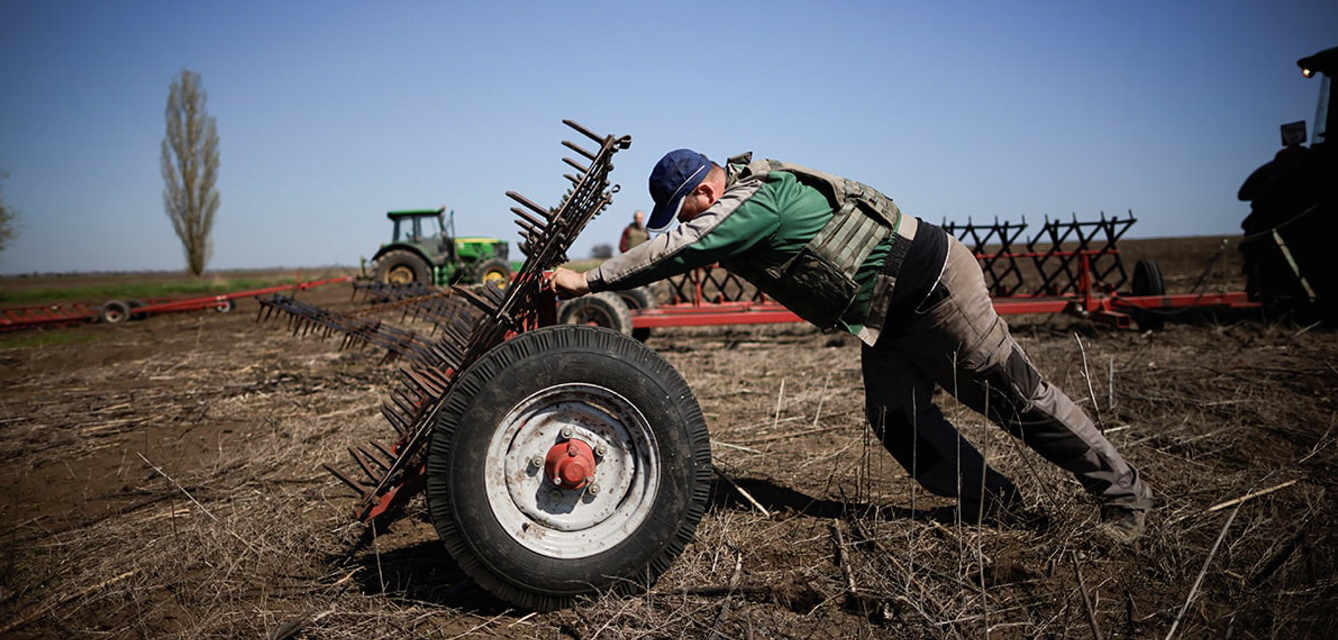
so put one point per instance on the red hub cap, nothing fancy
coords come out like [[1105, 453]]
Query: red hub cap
[[570, 464]]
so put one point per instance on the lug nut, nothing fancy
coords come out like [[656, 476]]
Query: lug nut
[[537, 461], [601, 449], [567, 432], [593, 489]]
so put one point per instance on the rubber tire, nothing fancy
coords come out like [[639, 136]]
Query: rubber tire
[[639, 299], [475, 412], [604, 309], [495, 269], [115, 311], [1148, 281], [226, 305], [398, 263]]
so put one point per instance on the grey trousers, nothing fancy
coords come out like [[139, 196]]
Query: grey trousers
[[957, 341]]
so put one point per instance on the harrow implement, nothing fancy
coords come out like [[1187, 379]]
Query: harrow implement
[[1073, 267], [117, 311], [391, 474]]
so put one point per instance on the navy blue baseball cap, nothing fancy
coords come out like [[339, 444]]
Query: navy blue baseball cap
[[674, 176]]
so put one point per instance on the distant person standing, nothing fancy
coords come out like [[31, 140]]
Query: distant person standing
[[635, 233]]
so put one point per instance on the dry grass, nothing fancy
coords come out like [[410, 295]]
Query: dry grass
[[169, 487]]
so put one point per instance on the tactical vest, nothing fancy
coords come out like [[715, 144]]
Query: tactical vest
[[818, 284]]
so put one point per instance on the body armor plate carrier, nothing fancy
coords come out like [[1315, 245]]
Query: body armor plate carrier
[[818, 284]]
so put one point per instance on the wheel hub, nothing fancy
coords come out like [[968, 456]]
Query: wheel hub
[[570, 464], [572, 470]]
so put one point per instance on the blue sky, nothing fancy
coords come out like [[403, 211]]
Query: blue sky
[[332, 113]]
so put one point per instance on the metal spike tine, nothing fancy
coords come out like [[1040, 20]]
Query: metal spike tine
[[529, 218], [377, 458], [394, 419], [442, 378], [583, 131], [406, 374], [450, 360], [413, 387], [497, 294], [431, 386], [362, 490], [407, 397], [572, 178], [406, 406], [384, 451], [457, 334], [576, 165], [446, 350], [366, 467], [405, 416], [531, 232], [533, 206], [570, 145]]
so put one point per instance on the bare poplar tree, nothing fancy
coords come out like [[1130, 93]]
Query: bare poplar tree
[[8, 218], [190, 169]]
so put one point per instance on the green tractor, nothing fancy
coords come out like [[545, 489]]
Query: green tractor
[[1289, 234], [425, 249]]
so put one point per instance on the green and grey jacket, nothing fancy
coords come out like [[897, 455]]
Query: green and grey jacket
[[817, 243]]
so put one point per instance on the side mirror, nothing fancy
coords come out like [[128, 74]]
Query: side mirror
[[1293, 133]]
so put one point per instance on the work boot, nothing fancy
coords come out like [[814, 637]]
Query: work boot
[[1123, 524], [1126, 521]]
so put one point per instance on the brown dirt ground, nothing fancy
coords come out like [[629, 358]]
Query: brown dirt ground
[[161, 479]]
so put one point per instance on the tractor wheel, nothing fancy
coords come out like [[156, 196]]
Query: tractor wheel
[[604, 309], [115, 311], [640, 298], [401, 267], [1148, 281], [566, 462], [495, 272], [226, 305]]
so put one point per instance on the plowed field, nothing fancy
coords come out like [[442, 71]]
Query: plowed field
[[161, 478]]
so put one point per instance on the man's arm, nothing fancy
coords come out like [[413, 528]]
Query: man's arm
[[568, 283]]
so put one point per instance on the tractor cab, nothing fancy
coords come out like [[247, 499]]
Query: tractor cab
[[429, 229], [424, 249], [1294, 212], [1324, 63]]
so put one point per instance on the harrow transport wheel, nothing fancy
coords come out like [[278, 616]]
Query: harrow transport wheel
[[1148, 281], [495, 272], [401, 267], [115, 311], [567, 461], [640, 298], [604, 309]]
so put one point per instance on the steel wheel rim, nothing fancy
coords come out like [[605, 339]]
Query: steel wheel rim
[[567, 523], [593, 315], [400, 274]]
